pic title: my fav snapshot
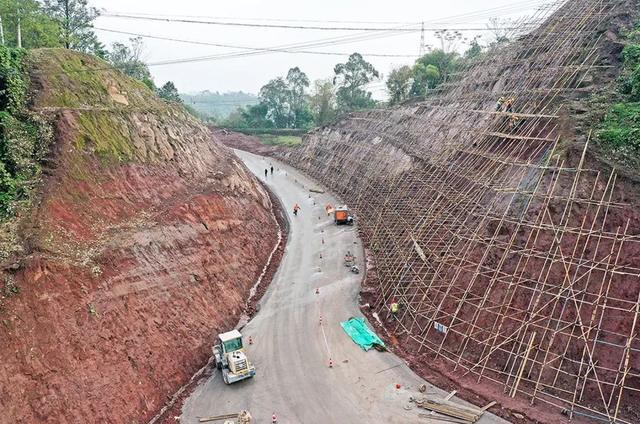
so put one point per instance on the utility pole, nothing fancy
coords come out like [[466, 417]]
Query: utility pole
[[1, 32], [421, 51], [19, 33]]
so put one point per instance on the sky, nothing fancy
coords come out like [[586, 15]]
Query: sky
[[249, 72]]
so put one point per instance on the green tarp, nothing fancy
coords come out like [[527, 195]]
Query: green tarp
[[360, 333]]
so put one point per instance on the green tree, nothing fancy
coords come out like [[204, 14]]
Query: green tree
[[425, 77], [275, 96], [474, 50], [128, 59], [75, 21], [351, 78], [399, 83], [37, 28], [169, 92], [299, 114], [323, 102]]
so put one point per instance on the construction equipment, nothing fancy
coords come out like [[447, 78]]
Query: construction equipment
[[342, 216], [231, 359]]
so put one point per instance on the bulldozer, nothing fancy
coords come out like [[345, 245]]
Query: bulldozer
[[231, 359], [342, 216]]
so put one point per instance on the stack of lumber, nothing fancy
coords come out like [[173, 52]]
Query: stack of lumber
[[452, 412]]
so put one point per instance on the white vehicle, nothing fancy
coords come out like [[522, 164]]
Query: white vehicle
[[231, 359]]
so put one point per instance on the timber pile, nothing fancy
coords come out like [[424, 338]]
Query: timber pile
[[456, 413]]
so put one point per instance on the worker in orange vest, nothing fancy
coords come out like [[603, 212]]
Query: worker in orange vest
[[296, 208]]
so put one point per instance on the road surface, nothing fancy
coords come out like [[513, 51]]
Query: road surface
[[291, 349]]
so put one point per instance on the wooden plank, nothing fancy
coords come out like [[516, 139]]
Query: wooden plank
[[450, 395], [487, 406]]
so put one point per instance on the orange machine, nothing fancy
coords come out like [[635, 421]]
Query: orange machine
[[342, 216]]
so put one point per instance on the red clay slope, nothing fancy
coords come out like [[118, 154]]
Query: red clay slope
[[145, 243]]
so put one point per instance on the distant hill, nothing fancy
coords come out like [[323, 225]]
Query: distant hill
[[218, 105]]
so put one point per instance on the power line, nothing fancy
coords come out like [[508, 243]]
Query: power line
[[300, 27], [260, 49], [504, 9]]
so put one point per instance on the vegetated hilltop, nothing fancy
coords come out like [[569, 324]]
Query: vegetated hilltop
[[510, 243], [138, 238]]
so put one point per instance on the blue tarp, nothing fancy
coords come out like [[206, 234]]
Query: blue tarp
[[360, 333]]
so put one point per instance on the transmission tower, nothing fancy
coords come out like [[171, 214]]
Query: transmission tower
[[422, 43]]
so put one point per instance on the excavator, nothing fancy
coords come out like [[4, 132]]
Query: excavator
[[231, 359]]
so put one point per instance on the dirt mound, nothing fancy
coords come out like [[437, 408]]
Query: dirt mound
[[248, 143], [145, 241]]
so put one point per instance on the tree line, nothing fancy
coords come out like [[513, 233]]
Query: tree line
[[68, 24], [289, 102]]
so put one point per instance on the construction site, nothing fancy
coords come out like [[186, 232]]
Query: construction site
[[512, 249], [467, 255]]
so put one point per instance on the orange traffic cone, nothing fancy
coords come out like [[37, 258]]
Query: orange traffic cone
[[397, 386]]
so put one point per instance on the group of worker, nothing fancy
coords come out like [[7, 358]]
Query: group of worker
[[505, 104], [266, 171]]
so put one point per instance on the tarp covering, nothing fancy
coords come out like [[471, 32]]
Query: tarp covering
[[360, 333]]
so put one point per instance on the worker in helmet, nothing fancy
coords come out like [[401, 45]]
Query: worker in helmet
[[296, 208], [501, 101], [394, 308]]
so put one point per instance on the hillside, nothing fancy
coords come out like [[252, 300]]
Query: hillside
[[217, 105], [142, 241], [511, 246]]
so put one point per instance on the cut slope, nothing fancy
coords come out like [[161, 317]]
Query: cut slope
[[513, 252], [145, 242]]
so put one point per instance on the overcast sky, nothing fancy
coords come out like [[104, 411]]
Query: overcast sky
[[249, 73]]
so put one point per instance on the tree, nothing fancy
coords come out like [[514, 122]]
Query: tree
[[275, 96], [474, 50], [169, 92], [323, 102], [425, 77], [299, 113], [351, 78], [37, 28], [75, 21], [399, 83], [128, 59], [500, 30]]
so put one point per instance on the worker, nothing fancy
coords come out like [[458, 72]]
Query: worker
[[499, 104], [513, 121], [509, 104], [266, 172], [296, 208], [394, 308], [271, 169]]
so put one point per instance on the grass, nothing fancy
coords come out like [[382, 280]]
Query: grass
[[280, 140]]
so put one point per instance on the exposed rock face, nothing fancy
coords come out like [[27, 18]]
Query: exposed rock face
[[145, 242], [513, 251]]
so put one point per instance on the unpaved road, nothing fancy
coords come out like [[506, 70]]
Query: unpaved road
[[291, 349]]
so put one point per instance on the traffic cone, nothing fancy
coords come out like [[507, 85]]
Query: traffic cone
[[397, 385], [274, 419], [317, 290]]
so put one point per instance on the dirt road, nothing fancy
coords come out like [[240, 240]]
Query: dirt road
[[291, 349]]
